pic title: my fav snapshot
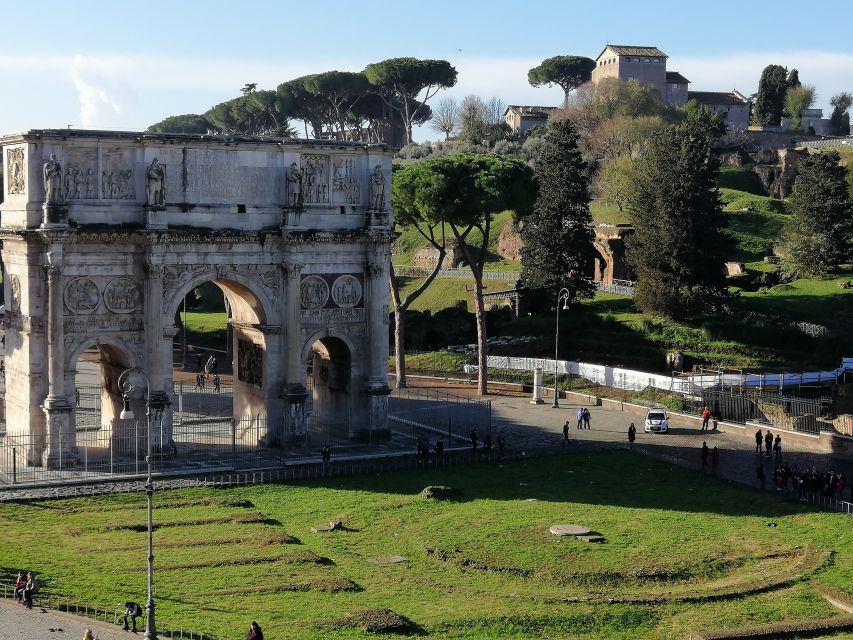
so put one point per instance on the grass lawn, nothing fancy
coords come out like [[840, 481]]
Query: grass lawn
[[445, 292], [481, 565], [820, 300], [206, 321]]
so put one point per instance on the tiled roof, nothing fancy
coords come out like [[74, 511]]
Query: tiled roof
[[526, 110], [726, 98], [631, 50], [673, 77]]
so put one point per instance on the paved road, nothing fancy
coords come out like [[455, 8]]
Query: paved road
[[18, 623], [532, 426]]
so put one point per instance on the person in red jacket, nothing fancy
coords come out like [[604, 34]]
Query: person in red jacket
[[706, 416]]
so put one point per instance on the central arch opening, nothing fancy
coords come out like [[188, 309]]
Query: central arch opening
[[219, 355]]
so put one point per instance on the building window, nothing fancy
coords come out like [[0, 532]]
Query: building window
[[657, 59], [675, 87], [631, 78], [646, 60]]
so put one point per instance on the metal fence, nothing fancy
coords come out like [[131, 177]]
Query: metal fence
[[423, 272], [790, 413], [418, 412], [121, 451], [620, 287]]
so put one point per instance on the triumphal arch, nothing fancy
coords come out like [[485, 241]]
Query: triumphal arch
[[104, 233]]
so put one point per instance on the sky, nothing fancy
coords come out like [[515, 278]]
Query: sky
[[126, 65]]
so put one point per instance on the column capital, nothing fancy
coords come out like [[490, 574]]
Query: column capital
[[374, 270], [53, 272], [154, 271], [293, 269]]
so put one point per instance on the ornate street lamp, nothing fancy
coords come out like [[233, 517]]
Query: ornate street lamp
[[158, 404], [562, 297]]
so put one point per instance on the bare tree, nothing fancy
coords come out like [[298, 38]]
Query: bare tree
[[445, 117], [494, 110]]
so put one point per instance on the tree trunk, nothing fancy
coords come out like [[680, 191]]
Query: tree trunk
[[399, 347], [482, 345]]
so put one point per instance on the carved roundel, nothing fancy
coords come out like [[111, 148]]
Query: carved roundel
[[82, 296], [315, 292], [15, 284], [122, 295], [346, 291]]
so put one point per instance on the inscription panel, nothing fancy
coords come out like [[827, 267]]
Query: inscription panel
[[332, 316]]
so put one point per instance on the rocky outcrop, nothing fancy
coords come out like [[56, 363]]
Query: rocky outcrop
[[509, 244]]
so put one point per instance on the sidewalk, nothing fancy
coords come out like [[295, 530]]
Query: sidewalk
[[18, 623]]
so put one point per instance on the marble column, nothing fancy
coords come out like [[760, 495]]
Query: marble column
[[376, 301], [60, 441], [295, 392]]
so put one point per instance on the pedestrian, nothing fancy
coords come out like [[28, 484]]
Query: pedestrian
[[768, 443], [133, 611], [777, 447], [208, 367], [255, 632], [88, 635], [704, 455], [325, 454], [439, 449], [715, 460], [20, 585], [580, 417], [759, 473], [586, 418], [566, 432], [632, 435], [759, 438], [501, 442], [487, 443], [474, 440], [30, 589], [217, 383], [706, 416], [199, 362], [215, 367]]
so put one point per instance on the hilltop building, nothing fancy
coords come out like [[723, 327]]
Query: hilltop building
[[520, 118], [647, 65]]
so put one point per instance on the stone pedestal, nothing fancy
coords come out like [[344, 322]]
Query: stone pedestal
[[59, 451], [155, 217], [294, 397], [55, 216], [377, 397], [538, 375]]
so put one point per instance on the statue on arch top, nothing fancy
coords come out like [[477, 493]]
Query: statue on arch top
[[155, 184], [52, 181], [377, 189]]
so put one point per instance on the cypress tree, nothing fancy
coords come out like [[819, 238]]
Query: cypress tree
[[557, 235], [817, 238], [677, 248], [770, 100]]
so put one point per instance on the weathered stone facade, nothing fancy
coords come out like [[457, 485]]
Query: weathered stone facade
[[105, 233]]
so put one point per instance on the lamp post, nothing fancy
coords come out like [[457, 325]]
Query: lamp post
[[562, 297], [159, 405]]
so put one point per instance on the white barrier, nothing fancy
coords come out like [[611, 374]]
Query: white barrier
[[631, 380]]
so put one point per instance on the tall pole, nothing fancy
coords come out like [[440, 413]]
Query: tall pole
[[556, 404], [150, 627], [127, 386], [562, 298]]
